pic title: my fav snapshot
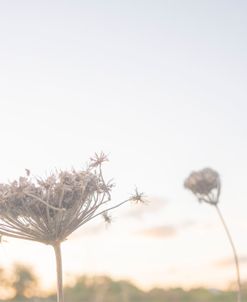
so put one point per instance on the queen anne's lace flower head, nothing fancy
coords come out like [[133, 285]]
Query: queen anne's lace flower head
[[205, 184], [49, 210]]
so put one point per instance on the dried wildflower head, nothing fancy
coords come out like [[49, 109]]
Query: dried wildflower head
[[205, 184], [107, 218], [137, 197], [49, 210], [98, 159]]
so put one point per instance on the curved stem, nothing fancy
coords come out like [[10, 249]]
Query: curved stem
[[57, 249], [234, 252]]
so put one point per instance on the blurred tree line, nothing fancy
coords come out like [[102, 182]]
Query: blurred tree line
[[22, 286]]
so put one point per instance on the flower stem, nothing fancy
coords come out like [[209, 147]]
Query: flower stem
[[57, 249], [234, 252]]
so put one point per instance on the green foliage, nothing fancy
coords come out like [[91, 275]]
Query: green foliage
[[104, 289], [24, 283], [19, 284]]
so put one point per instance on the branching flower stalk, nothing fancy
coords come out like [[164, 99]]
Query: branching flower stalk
[[49, 210], [206, 186]]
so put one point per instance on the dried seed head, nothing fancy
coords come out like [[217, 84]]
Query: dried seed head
[[50, 209], [137, 197], [98, 159], [107, 218], [205, 184]]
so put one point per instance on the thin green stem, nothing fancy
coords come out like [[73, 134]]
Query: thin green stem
[[57, 249], [234, 252]]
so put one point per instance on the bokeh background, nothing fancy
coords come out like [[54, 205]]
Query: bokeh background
[[159, 86]]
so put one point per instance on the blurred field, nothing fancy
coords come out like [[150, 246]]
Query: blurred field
[[23, 286]]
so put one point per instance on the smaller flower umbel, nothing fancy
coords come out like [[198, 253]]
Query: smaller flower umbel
[[206, 186], [49, 210]]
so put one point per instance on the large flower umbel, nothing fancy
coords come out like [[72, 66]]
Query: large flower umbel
[[49, 210], [206, 186]]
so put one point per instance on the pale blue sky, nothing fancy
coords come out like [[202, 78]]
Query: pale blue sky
[[161, 87]]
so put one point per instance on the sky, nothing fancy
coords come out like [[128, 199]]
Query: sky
[[159, 86]]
